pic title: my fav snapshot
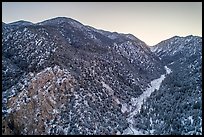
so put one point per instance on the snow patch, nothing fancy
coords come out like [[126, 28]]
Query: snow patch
[[124, 108], [132, 131], [168, 70], [171, 63], [9, 110], [52, 100], [112, 36], [25, 29], [191, 119], [111, 92], [55, 111], [35, 97], [116, 100]]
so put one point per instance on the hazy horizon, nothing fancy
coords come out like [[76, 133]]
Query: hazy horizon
[[151, 22]]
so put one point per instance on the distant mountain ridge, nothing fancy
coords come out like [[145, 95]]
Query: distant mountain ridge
[[181, 46]]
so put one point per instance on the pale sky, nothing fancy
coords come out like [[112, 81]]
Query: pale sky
[[151, 22]]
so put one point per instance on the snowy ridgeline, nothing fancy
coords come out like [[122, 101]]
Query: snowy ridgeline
[[137, 103]]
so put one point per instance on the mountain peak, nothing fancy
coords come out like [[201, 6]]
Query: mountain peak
[[21, 22], [60, 20]]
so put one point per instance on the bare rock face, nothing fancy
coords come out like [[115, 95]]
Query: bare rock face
[[37, 106]]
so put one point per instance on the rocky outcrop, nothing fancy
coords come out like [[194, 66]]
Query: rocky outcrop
[[34, 109]]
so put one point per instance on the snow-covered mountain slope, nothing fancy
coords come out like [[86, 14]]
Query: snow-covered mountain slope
[[176, 108], [10, 73], [14, 25], [68, 78], [177, 48], [107, 72], [36, 47]]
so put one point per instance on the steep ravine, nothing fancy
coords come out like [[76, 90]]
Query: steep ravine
[[136, 103]]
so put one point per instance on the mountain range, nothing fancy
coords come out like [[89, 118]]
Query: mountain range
[[62, 77]]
